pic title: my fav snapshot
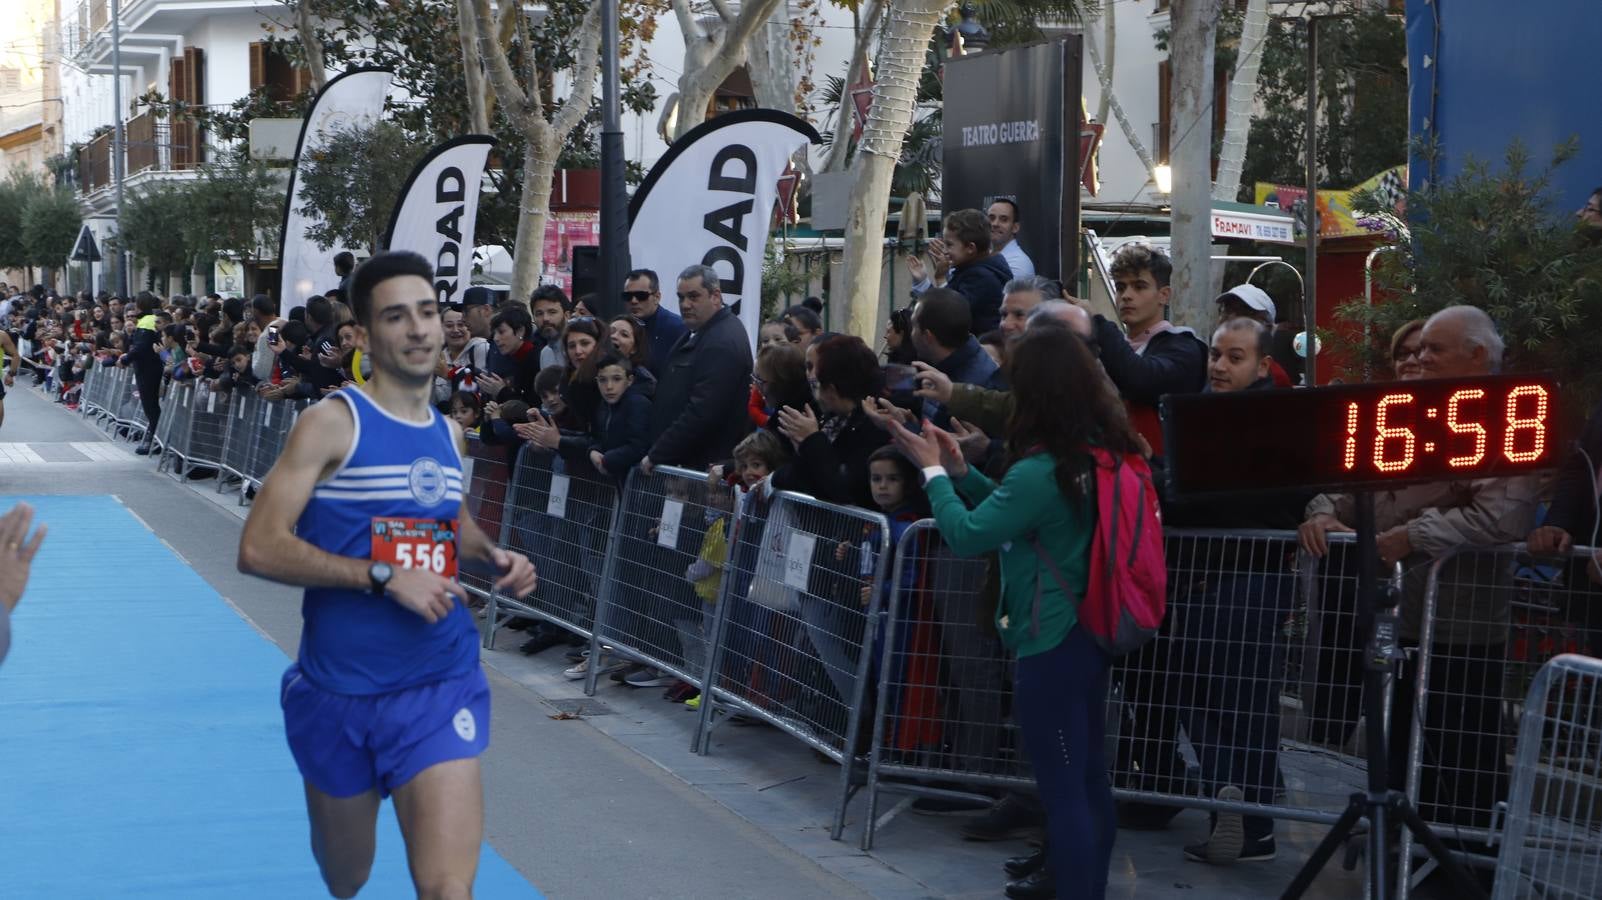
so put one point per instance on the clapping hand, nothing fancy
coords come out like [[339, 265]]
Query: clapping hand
[[933, 447], [797, 424]]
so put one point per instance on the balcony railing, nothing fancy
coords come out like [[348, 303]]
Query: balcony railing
[[94, 163], [152, 145]]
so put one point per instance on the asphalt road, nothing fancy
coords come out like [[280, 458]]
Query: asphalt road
[[576, 812]]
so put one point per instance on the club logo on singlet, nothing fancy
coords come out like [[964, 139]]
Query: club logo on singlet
[[427, 481]]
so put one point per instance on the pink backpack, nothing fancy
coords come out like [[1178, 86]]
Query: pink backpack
[[1126, 595]]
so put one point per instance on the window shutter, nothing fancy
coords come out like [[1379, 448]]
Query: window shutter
[[258, 65]]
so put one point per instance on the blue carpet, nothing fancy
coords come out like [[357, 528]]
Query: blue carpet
[[142, 749]]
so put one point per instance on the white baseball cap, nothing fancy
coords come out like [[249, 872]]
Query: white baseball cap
[[1254, 297]]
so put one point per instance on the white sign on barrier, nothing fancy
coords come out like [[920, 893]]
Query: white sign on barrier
[[667, 531], [556, 505], [211, 402], [798, 560]]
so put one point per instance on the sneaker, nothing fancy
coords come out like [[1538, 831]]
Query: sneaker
[[574, 654], [647, 677], [609, 664], [1252, 850], [693, 702], [1009, 818]]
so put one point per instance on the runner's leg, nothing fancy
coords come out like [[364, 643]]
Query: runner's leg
[[343, 838], [441, 814]]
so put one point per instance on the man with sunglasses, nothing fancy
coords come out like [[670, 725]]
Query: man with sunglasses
[[642, 295]]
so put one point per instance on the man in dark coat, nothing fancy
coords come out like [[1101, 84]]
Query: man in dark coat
[[699, 412]]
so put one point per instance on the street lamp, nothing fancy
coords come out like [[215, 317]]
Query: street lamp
[[1164, 176]]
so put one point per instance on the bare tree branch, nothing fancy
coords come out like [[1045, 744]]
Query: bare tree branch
[[310, 44], [585, 64], [686, 17], [723, 11], [473, 68], [500, 68]]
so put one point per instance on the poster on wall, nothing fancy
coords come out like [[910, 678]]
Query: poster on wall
[[1011, 131], [564, 231], [1336, 217]]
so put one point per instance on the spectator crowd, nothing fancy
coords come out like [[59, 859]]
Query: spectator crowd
[[968, 413]]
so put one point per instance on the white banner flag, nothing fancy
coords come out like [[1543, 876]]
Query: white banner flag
[[352, 100], [709, 200], [438, 209]]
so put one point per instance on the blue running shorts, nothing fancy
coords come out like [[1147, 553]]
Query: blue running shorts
[[347, 744]]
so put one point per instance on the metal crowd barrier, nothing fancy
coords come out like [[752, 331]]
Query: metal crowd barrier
[[651, 607], [91, 400], [486, 476], [1552, 845], [944, 682], [1253, 682], [1491, 617], [204, 441], [565, 515], [271, 430], [795, 627], [177, 407], [243, 416]]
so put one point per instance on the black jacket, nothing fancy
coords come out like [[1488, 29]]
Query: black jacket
[[622, 432], [981, 282], [835, 471], [1175, 362], [1574, 504], [699, 411]]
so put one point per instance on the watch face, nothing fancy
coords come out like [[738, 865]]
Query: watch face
[[380, 572]]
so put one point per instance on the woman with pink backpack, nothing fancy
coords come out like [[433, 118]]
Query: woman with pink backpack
[[1053, 514]]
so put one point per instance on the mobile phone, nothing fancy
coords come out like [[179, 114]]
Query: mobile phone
[[900, 378], [272, 335]]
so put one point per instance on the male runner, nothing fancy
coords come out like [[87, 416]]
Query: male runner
[[10, 360], [364, 509]]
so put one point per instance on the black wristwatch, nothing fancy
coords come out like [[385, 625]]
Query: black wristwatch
[[379, 574]]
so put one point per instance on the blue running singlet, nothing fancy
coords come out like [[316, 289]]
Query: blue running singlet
[[354, 642]]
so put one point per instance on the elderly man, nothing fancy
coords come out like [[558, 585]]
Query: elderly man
[[1020, 297], [1464, 770], [699, 411]]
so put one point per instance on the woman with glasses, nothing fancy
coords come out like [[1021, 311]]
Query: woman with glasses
[[1404, 351]]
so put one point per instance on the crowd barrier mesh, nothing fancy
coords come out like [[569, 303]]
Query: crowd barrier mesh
[[1491, 617], [796, 627], [562, 512], [1552, 845], [654, 605], [485, 475]]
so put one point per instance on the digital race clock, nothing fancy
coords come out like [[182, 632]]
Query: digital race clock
[[1355, 437]]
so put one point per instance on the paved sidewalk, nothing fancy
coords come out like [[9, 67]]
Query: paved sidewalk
[[778, 784]]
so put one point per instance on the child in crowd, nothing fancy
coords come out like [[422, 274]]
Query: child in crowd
[[775, 332], [760, 629], [467, 408], [620, 436]]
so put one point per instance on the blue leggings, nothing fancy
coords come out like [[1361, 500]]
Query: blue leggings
[[1059, 700]]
